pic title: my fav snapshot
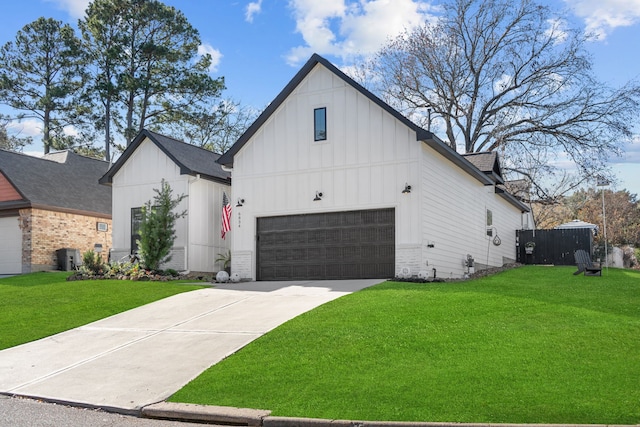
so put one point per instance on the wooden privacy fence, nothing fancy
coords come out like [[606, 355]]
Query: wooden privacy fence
[[553, 246]]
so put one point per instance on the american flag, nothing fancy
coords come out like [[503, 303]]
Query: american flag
[[226, 215]]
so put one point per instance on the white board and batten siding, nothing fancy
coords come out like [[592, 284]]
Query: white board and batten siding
[[454, 220], [196, 244], [205, 210], [364, 163]]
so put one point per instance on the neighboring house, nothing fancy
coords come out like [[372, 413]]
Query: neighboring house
[[336, 184], [189, 170], [50, 203]]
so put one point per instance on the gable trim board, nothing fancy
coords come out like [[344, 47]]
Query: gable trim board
[[372, 152]]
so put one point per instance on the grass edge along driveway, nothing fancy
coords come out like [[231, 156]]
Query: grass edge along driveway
[[530, 345], [37, 305]]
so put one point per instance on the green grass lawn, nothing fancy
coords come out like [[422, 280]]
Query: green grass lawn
[[37, 305], [530, 345]]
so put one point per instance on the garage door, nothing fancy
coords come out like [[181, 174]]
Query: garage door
[[337, 245], [10, 246]]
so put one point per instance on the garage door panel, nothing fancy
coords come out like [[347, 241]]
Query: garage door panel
[[354, 244], [10, 246]]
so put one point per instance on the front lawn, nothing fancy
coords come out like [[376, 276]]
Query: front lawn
[[530, 345], [37, 305]]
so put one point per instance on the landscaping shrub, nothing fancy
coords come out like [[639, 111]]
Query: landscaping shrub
[[92, 263]]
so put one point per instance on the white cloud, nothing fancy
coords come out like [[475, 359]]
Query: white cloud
[[362, 26], [27, 127], [75, 8], [603, 16], [253, 8], [70, 131], [216, 55], [352, 27], [631, 153], [557, 30]]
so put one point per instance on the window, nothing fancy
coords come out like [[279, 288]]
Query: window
[[136, 220], [320, 124], [489, 223]]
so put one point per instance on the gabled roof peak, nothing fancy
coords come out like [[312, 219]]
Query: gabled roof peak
[[191, 159], [422, 135]]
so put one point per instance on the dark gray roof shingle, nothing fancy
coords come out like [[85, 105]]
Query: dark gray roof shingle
[[62, 180], [488, 162], [191, 159]]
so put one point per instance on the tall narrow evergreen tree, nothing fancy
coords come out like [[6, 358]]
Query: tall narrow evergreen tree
[[157, 230], [104, 43]]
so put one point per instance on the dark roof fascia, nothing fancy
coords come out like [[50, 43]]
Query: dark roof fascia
[[71, 211], [107, 179], [512, 200], [14, 204], [497, 178], [212, 178], [12, 208], [184, 170], [227, 158], [8, 213], [449, 153]]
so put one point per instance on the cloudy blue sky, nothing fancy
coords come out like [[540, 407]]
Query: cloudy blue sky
[[258, 45]]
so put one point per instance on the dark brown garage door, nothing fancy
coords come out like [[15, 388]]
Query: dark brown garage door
[[336, 245]]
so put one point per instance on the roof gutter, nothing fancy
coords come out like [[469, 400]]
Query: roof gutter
[[512, 200]]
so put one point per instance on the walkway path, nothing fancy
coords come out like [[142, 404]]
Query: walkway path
[[143, 356]]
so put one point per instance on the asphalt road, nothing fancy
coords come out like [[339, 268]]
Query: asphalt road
[[17, 412]]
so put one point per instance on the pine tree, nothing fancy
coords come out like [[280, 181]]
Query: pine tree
[[40, 73]]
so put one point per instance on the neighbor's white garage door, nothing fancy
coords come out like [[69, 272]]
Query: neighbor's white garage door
[[10, 246]]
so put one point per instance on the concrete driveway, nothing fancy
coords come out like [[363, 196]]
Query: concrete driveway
[[143, 356]]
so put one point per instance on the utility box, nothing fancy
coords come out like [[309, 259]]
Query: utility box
[[68, 259]]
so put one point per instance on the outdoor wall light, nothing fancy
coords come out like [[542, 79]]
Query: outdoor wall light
[[318, 196], [407, 189], [240, 202]]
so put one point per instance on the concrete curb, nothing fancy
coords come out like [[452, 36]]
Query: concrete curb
[[262, 418], [207, 414]]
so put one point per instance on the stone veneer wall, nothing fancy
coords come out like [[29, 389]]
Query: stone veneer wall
[[44, 232]]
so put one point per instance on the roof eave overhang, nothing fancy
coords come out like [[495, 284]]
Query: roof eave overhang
[[497, 178], [512, 200], [106, 215], [224, 181], [445, 150], [14, 205]]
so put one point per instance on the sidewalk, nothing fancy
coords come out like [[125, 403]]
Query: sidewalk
[[143, 356]]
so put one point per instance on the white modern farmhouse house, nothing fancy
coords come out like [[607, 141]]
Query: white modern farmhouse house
[[189, 170], [330, 183]]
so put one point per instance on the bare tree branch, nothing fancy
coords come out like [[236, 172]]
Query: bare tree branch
[[509, 76]]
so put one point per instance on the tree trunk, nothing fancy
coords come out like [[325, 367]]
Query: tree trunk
[[46, 137]]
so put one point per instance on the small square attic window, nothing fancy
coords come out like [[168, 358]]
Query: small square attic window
[[320, 124]]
